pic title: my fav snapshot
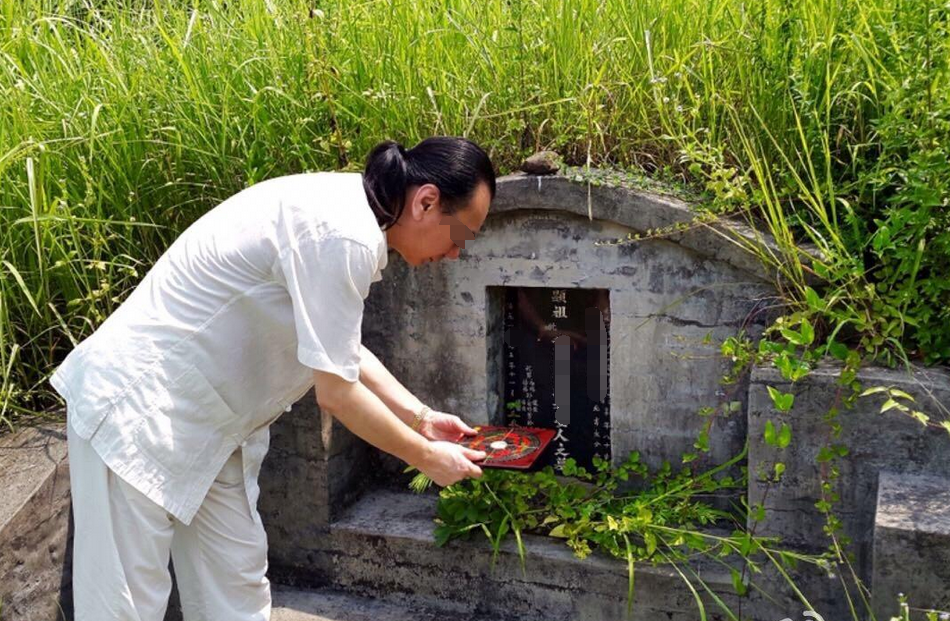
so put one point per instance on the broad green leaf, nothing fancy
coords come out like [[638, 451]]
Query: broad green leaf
[[807, 332], [792, 336], [793, 368], [784, 436], [837, 350], [890, 404], [650, 540], [442, 535], [782, 400], [894, 392], [737, 582]]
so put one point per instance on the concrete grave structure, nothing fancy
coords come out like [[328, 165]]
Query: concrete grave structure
[[893, 466], [440, 330]]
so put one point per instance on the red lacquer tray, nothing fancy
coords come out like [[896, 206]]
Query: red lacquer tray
[[508, 447]]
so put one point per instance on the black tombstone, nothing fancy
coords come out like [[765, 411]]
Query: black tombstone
[[555, 362]]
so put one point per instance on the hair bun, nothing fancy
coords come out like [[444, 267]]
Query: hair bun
[[455, 165]]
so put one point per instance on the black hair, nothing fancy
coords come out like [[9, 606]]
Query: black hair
[[454, 165]]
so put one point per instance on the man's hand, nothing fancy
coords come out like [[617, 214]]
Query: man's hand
[[442, 426], [448, 463]]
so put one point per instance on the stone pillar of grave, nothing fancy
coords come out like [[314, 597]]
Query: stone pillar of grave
[[876, 443], [314, 469]]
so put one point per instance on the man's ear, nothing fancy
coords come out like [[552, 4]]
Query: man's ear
[[415, 203], [428, 196]]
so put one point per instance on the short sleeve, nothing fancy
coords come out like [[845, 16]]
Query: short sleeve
[[328, 280]]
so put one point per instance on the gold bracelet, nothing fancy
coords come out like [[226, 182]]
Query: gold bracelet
[[419, 417]]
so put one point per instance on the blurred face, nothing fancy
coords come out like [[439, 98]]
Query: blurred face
[[424, 234]]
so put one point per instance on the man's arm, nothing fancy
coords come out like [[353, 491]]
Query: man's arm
[[363, 413], [404, 404], [381, 382]]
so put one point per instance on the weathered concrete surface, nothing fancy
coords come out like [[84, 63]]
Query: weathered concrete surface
[[328, 605], [314, 469], [912, 542], [325, 604], [774, 599], [433, 326], [35, 533], [384, 545], [611, 198], [877, 442]]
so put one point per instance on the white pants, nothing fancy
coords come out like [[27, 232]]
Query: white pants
[[123, 540]]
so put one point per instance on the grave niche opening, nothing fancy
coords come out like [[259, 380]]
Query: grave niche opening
[[551, 357]]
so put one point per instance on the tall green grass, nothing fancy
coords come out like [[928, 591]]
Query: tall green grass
[[123, 121]]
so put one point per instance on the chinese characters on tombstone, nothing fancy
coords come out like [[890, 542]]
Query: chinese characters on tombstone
[[556, 357]]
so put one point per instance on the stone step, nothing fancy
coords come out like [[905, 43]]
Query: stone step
[[384, 545], [912, 542], [35, 533], [291, 604]]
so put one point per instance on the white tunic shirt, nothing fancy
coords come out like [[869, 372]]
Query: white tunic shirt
[[223, 334]]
